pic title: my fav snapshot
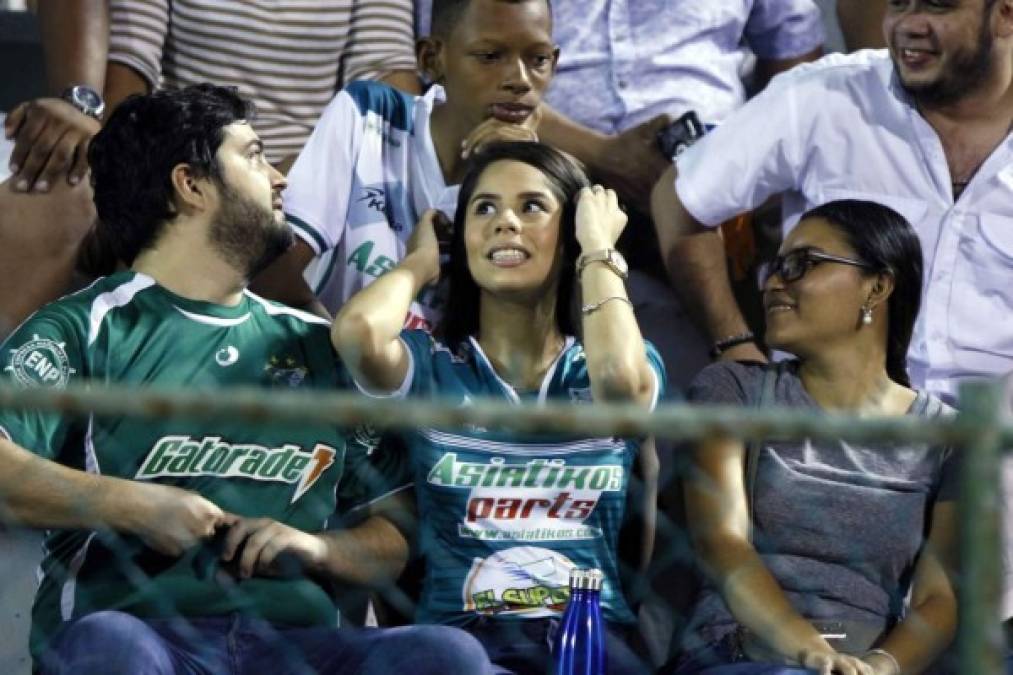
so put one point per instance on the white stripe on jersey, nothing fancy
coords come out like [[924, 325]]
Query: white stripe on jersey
[[284, 310], [110, 300], [213, 320], [543, 390], [517, 448], [90, 457], [69, 589]]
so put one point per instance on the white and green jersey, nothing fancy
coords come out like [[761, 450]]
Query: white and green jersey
[[126, 329], [365, 177], [505, 516]]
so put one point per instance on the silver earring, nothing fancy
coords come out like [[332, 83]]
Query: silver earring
[[866, 315]]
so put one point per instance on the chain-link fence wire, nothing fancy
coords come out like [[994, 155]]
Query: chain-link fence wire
[[663, 586]]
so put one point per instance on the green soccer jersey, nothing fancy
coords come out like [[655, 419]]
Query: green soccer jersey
[[126, 329], [505, 516]]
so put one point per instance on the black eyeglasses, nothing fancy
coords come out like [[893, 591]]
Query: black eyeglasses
[[794, 265]]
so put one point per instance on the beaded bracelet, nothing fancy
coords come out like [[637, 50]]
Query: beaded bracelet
[[727, 343]]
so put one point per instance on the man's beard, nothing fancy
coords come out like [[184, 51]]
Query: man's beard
[[965, 73], [246, 234]]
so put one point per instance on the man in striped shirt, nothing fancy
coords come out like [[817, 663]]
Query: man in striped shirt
[[288, 56]]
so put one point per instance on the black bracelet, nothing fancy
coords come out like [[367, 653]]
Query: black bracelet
[[724, 344]]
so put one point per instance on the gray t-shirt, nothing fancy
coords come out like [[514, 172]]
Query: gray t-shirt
[[839, 525]]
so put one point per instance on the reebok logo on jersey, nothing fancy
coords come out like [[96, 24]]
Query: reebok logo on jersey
[[183, 456]]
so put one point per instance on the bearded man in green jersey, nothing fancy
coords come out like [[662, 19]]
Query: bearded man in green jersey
[[180, 546]]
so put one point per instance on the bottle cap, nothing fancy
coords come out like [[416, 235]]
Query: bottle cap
[[590, 579]]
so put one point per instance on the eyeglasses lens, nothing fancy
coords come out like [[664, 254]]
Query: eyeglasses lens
[[790, 267]]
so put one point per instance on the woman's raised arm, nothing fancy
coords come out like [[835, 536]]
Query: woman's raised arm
[[366, 331], [616, 359]]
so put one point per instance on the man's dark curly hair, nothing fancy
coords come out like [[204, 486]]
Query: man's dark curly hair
[[132, 158]]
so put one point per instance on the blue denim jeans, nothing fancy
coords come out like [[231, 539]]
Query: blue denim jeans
[[110, 643], [522, 647], [720, 660], [747, 669]]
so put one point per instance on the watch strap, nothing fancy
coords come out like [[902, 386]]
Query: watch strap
[[610, 257]]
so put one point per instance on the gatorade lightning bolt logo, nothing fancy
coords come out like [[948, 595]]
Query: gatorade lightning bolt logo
[[323, 457], [184, 457]]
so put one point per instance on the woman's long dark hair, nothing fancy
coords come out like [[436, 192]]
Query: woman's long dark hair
[[885, 240], [565, 178]]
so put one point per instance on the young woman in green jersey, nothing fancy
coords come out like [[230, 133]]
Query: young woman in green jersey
[[504, 517]]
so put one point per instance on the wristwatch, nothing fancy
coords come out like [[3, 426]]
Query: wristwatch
[[85, 99], [611, 258]]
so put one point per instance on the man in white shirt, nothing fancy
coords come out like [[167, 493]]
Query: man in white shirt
[[923, 128]]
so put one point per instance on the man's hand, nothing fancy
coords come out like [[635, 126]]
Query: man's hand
[[51, 140], [265, 546], [492, 130], [169, 519], [631, 163]]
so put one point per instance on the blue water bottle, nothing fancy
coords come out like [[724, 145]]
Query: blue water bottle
[[579, 647]]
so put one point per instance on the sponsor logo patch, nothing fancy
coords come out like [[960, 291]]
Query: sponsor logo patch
[[524, 581], [540, 500], [185, 457], [40, 362]]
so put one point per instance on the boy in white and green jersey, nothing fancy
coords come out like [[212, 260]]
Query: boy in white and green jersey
[[379, 158], [179, 545]]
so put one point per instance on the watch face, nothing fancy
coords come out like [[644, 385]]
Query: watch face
[[88, 97], [620, 262]]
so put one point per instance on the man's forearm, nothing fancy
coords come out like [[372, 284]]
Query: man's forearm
[[371, 554], [699, 273], [37, 492], [561, 132], [75, 40], [695, 258]]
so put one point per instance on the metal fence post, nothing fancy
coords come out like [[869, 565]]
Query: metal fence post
[[980, 635]]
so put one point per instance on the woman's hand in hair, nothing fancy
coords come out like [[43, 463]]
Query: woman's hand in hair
[[431, 235], [599, 219]]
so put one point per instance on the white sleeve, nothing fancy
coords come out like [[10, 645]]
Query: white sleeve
[[319, 183], [399, 393], [1006, 542], [757, 152]]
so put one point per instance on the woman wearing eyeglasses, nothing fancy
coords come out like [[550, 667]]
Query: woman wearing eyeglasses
[[810, 548]]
